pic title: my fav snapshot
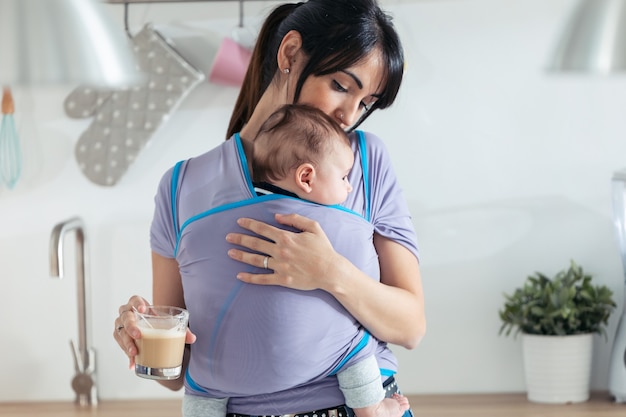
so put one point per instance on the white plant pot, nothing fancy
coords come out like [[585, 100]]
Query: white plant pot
[[557, 368]]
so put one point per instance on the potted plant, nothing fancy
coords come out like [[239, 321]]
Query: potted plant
[[557, 318]]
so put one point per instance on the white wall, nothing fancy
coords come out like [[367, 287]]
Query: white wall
[[507, 170]]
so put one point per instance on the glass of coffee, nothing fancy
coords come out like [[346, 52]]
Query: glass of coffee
[[162, 342]]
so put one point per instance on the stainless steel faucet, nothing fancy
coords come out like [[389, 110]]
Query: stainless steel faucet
[[84, 381]]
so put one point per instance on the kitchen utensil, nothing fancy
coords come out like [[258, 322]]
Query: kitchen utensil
[[126, 118], [141, 316], [10, 152]]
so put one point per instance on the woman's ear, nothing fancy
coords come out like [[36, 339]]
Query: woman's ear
[[305, 176], [288, 49]]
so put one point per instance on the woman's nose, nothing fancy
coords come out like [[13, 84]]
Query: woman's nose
[[346, 118], [339, 115], [352, 112]]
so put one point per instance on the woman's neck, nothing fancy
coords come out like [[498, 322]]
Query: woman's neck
[[270, 101], [264, 108]]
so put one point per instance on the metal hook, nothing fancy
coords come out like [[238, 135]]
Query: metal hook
[[126, 29], [240, 13]]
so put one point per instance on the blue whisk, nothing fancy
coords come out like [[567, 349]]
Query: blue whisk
[[10, 152]]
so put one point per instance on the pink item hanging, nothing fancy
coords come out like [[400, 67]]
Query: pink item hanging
[[230, 64]]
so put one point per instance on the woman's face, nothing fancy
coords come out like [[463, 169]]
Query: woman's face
[[346, 94]]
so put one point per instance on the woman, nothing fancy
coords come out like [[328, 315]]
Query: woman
[[344, 58]]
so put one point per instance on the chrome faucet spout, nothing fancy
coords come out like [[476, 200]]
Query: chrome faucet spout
[[84, 356]]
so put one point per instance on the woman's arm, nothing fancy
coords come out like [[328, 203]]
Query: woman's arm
[[392, 310], [166, 290]]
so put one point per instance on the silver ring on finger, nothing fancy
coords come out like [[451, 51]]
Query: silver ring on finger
[[266, 261]]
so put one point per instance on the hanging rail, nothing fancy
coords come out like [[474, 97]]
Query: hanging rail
[[127, 2], [171, 1]]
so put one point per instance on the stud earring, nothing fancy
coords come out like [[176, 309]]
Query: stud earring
[[286, 70]]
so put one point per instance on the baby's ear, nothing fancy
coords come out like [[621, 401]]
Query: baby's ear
[[305, 176]]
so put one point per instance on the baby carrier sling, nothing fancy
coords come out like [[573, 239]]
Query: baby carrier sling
[[247, 332]]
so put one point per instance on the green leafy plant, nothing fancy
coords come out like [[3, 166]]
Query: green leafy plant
[[567, 304]]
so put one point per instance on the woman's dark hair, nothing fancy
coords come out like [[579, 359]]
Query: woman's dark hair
[[336, 34]]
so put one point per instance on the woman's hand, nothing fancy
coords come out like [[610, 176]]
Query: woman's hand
[[392, 309], [297, 260], [126, 329]]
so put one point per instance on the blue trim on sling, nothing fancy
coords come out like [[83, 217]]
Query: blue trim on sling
[[192, 384], [244, 163], [220, 209], [174, 189], [221, 314], [366, 178], [242, 203], [357, 348]]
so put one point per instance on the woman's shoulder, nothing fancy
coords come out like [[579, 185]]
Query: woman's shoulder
[[226, 148], [375, 147], [369, 137], [371, 140], [200, 165]]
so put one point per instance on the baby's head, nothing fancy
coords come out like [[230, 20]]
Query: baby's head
[[302, 150]]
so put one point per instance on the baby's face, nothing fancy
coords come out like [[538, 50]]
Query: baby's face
[[331, 185]]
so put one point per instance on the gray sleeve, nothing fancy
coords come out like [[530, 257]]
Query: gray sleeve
[[361, 383]]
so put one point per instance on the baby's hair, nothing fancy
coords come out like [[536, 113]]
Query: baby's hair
[[291, 136]]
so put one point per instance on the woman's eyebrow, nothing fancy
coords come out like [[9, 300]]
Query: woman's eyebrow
[[358, 82], [355, 78]]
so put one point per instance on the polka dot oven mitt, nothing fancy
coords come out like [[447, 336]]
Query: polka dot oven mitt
[[125, 119]]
